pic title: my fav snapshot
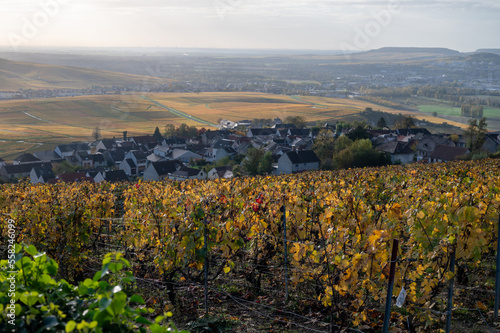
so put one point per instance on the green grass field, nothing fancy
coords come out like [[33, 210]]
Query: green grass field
[[455, 111], [440, 110]]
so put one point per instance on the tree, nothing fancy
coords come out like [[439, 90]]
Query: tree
[[251, 162], [169, 130], [96, 133], [476, 134], [64, 167], [342, 143], [406, 122], [257, 162], [470, 110], [298, 121], [157, 135], [192, 132], [358, 133], [182, 131], [381, 123], [323, 148], [339, 128], [359, 154], [265, 164]]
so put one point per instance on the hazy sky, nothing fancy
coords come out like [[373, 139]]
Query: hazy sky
[[271, 24]]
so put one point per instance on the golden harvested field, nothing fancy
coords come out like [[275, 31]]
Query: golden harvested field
[[42, 123]]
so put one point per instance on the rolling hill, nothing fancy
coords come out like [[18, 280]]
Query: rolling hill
[[16, 75], [40, 124]]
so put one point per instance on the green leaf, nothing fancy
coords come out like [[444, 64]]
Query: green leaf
[[49, 322], [106, 260], [89, 283], [47, 279], [104, 303], [118, 303], [82, 290], [31, 250], [52, 266], [97, 276], [104, 270], [104, 285], [127, 280], [142, 320], [70, 326], [155, 328], [137, 299], [30, 298]]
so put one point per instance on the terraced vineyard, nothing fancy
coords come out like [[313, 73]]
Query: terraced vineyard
[[332, 253]]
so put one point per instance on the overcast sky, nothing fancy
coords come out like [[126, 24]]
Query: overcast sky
[[270, 24]]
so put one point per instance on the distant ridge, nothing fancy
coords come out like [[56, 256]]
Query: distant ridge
[[485, 57], [430, 50], [403, 54], [494, 51]]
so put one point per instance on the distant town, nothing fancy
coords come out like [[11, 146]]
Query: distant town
[[282, 148]]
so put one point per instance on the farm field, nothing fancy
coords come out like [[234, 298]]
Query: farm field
[[455, 111], [335, 229], [15, 75], [452, 114], [27, 125]]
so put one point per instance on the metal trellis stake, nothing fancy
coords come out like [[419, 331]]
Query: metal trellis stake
[[205, 237], [285, 245], [450, 293], [497, 281], [392, 273]]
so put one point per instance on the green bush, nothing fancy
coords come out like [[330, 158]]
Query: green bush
[[43, 304]]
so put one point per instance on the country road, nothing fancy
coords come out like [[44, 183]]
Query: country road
[[180, 113]]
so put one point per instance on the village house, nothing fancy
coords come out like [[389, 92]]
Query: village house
[[48, 156], [400, 152], [139, 158], [185, 173], [26, 158], [261, 132], [106, 144], [183, 155], [111, 176], [174, 142], [490, 145], [41, 174], [444, 153], [129, 167], [69, 150], [145, 142], [15, 172], [225, 172], [427, 144], [296, 161], [74, 177], [160, 170]]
